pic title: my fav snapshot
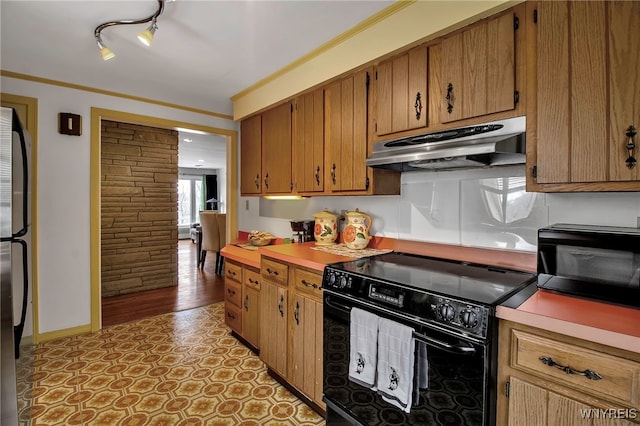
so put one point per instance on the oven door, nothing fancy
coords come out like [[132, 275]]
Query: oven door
[[459, 382]]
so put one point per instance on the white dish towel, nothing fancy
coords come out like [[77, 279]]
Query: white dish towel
[[363, 347], [396, 347]]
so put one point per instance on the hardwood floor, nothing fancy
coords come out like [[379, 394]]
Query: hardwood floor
[[196, 287]]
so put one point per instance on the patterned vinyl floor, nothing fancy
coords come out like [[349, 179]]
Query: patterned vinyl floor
[[175, 369]]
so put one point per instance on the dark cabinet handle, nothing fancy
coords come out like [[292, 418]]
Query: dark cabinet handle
[[308, 284], [266, 180], [591, 375], [254, 282], [257, 181], [296, 314], [317, 175], [418, 106], [230, 315], [280, 306], [272, 272], [246, 303], [449, 98], [333, 173], [631, 146], [231, 292], [230, 272]]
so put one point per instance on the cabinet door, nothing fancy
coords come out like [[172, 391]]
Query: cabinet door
[[586, 95], [306, 371], [624, 39], [308, 149], [251, 155], [478, 69], [346, 133], [276, 149], [533, 405], [402, 92], [251, 315], [571, 137], [273, 327]]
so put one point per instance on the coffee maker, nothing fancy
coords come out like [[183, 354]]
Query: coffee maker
[[302, 230]]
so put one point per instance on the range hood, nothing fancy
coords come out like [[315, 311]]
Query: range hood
[[489, 144]]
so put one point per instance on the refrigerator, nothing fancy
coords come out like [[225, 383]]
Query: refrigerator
[[15, 149]]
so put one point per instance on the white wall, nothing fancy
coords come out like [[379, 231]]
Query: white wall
[[63, 187], [456, 207]]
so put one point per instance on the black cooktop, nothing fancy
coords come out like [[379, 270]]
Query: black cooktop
[[471, 282]]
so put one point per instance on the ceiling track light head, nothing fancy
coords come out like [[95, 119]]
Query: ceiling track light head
[[145, 36]]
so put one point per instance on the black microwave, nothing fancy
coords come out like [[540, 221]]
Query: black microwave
[[596, 262]]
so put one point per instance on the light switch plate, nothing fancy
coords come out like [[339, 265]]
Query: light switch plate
[[69, 124]]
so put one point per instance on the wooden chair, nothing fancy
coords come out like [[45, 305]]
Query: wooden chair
[[221, 218], [210, 237]]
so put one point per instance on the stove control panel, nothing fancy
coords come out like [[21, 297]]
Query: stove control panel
[[454, 314], [459, 314]]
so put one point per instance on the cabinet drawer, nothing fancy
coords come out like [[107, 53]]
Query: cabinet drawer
[[233, 293], [308, 282], [252, 278], [620, 377], [233, 271], [275, 271], [233, 317]]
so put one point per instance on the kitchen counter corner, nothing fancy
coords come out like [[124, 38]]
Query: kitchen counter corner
[[605, 323]]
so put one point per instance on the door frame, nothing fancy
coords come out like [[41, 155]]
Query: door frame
[[97, 115]]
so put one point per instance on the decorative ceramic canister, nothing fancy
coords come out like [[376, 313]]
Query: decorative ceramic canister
[[326, 227], [356, 233]]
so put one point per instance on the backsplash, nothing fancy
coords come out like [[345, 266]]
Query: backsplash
[[479, 208]]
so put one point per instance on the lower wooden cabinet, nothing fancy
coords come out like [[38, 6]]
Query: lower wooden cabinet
[[291, 322], [242, 300], [251, 305], [546, 378], [306, 343], [273, 326]]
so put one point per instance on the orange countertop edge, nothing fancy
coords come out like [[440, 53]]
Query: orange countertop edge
[[302, 255], [608, 324], [247, 257]]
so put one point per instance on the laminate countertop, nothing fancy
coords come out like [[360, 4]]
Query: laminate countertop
[[609, 324], [605, 323]]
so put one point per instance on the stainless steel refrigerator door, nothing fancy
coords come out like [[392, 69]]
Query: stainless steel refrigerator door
[[8, 393]]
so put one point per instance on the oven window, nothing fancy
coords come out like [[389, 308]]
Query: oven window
[[456, 394]]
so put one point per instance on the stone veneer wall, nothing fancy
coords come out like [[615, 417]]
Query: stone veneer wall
[[139, 190]]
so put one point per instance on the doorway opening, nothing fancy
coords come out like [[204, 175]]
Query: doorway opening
[[228, 185]]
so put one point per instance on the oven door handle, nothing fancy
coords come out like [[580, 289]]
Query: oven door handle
[[458, 349]]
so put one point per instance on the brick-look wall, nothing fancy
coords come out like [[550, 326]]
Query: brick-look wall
[[139, 190]]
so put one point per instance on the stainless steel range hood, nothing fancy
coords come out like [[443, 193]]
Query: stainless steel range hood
[[483, 145]]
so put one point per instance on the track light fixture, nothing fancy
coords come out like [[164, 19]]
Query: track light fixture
[[145, 37]]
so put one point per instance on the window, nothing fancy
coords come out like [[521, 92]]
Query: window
[[189, 200]]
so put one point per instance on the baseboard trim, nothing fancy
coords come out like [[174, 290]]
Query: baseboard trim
[[65, 332]]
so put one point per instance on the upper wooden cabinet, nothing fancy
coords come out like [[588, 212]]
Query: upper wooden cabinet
[[401, 89], [276, 149], [346, 133], [251, 155], [308, 147], [584, 59], [478, 69], [347, 103]]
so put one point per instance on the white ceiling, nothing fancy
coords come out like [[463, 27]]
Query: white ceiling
[[203, 52]]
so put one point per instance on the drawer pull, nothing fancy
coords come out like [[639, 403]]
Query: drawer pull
[[231, 292], [230, 272], [591, 375], [254, 282], [230, 315], [308, 284], [272, 271]]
